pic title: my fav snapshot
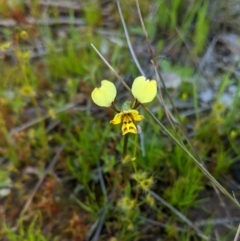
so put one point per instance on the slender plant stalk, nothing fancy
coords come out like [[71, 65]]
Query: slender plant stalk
[[237, 234], [125, 145], [125, 169], [112, 69], [134, 163]]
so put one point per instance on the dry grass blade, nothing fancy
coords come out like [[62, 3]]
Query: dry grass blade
[[101, 179], [222, 203], [180, 215], [100, 225], [156, 223], [112, 69], [96, 228], [73, 5], [38, 120], [237, 234], [128, 40], [10, 23], [144, 30], [218, 221]]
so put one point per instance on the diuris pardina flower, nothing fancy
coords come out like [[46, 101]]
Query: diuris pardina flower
[[127, 118], [143, 90]]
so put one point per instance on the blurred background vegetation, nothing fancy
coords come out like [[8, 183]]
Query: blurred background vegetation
[[61, 159]]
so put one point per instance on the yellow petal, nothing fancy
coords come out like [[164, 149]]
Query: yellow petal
[[137, 117], [105, 95], [117, 119], [144, 90], [131, 111]]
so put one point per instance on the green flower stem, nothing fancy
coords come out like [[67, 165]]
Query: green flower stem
[[125, 170], [125, 145], [201, 167], [134, 155], [135, 147], [135, 104], [133, 161], [114, 108]]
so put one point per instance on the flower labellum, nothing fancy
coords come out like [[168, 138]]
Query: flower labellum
[[127, 119]]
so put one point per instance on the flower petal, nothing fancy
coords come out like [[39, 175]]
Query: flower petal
[[144, 90], [137, 117], [117, 119], [131, 111], [105, 95]]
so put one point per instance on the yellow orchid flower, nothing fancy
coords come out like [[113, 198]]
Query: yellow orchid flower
[[105, 95], [143, 90], [127, 119]]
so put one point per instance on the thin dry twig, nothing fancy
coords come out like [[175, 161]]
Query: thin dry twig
[[222, 202], [201, 223], [237, 234], [100, 225], [180, 215], [156, 223], [92, 230], [38, 120], [112, 69], [73, 5], [10, 23], [40, 181], [128, 40], [218, 221]]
